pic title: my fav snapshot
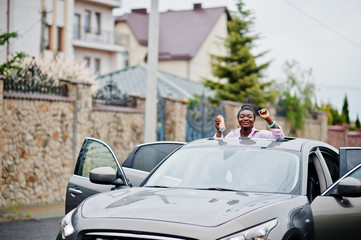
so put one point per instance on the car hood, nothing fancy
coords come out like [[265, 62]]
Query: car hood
[[189, 206]]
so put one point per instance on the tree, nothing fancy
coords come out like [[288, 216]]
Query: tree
[[14, 63], [239, 75], [344, 114], [295, 101], [333, 115], [357, 123]]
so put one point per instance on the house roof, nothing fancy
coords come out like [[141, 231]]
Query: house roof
[[181, 33], [133, 81]]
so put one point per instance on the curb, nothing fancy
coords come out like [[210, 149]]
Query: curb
[[31, 212]]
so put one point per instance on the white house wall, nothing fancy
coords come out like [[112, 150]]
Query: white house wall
[[108, 60], [200, 65], [176, 67], [25, 19], [136, 52]]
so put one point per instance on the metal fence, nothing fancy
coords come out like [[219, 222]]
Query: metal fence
[[31, 80], [110, 94]]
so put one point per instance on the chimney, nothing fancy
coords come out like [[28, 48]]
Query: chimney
[[140, 10], [197, 6]]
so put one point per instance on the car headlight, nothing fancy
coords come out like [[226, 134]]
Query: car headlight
[[259, 232], [66, 225]]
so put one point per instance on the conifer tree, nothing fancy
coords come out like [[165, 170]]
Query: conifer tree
[[345, 114], [239, 75], [357, 123]]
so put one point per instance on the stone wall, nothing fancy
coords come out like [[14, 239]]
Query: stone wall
[[36, 146], [339, 136], [40, 137], [120, 128]]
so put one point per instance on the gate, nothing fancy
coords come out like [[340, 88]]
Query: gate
[[200, 119], [160, 118]]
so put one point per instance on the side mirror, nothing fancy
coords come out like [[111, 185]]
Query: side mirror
[[104, 175], [349, 187]]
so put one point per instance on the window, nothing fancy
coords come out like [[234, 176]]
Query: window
[[356, 174], [77, 25], [47, 37], [148, 156], [60, 42], [97, 22], [332, 162], [96, 155], [126, 59], [230, 167], [87, 25], [96, 66], [313, 183], [87, 61]]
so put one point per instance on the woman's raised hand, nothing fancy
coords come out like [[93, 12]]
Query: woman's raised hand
[[264, 113]]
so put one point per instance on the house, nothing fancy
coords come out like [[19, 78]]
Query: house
[[74, 29], [187, 39]]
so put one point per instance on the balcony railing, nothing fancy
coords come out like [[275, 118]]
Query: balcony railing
[[93, 35], [109, 3]]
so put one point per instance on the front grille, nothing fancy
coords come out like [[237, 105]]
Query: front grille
[[122, 236]]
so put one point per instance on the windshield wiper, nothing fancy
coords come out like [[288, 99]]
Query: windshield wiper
[[157, 186], [218, 189]]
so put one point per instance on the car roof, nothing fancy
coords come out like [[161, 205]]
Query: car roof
[[294, 144]]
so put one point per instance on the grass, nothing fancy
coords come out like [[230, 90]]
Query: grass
[[14, 215]]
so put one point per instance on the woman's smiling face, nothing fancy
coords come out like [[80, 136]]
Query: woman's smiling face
[[246, 119]]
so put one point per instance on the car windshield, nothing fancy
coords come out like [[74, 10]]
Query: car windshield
[[229, 168]]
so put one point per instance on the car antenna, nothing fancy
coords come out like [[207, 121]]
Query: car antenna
[[289, 133]]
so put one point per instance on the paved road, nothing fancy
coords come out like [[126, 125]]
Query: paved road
[[41, 229]]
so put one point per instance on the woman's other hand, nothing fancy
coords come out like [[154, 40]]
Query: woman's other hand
[[217, 122]]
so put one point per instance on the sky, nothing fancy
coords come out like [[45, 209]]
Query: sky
[[322, 35]]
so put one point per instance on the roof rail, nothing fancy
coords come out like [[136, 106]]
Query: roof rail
[[286, 139]]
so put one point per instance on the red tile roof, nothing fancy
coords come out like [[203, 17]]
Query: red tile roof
[[181, 33]]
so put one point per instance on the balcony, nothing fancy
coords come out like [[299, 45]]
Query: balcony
[[93, 35], [108, 3], [93, 38]]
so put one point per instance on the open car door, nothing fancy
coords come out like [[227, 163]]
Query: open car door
[[94, 153], [337, 211]]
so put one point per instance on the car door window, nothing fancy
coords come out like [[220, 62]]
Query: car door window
[[148, 156], [332, 162], [313, 184], [350, 158], [356, 174], [96, 155]]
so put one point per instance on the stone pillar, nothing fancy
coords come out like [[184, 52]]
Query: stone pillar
[[322, 118], [175, 120], [81, 93], [231, 109]]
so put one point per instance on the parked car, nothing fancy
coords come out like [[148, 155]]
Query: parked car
[[224, 189]]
